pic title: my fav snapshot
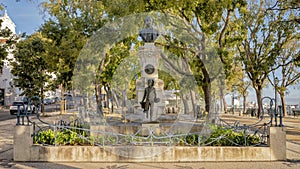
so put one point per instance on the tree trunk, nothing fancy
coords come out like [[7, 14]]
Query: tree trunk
[[106, 100], [283, 105], [193, 97], [42, 100], [258, 90], [223, 100], [185, 103], [99, 100], [221, 104], [206, 90], [244, 103], [115, 98], [206, 87], [225, 104], [177, 101], [62, 102], [74, 98], [124, 98]]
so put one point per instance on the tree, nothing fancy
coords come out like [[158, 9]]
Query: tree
[[29, 66], [7, 43], [204, 19], [288, 73], [234, 81], [263, 38], [71, 23], [288, 5], [114, 73], [243, 88]]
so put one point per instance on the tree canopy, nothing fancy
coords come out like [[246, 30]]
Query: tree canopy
[[241, 36]]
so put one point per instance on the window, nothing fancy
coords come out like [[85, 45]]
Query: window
[[1, 69], [1, 97]]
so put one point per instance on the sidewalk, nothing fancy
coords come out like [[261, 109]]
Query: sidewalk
[[293, 155]]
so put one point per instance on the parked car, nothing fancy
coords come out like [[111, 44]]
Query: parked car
[[13, 109], [57, 100], [47, 101], [69, 101]]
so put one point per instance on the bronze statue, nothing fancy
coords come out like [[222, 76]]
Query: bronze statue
[[149, 99], [149, 34]]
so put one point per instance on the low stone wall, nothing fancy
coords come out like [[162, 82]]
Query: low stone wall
[[148, 154], [276, 150]]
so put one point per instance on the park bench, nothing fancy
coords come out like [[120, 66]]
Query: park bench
[[251, 111], [296, 112]]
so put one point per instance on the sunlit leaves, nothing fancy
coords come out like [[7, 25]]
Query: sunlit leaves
[[30, 66]]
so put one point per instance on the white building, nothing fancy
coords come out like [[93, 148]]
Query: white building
[[8, 92]]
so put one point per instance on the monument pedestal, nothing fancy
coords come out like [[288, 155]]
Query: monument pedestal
[[149, 56], [150, 128]]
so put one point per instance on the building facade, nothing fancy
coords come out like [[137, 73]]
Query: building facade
[[8, 93]]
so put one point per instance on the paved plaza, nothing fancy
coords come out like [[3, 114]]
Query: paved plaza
[[293, 152]]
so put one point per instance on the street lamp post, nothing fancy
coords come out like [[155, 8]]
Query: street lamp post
[[276, 81], [280, 116], [233, 97], [233, 103]]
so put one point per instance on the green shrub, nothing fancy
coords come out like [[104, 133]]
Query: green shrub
[[61, 137], [222, 136], [45, 137], [192, 139]]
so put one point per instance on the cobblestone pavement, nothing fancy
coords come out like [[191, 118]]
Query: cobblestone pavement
[[292, 162]]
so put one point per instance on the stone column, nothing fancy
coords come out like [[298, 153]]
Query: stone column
[[277, 143], [22, 143]]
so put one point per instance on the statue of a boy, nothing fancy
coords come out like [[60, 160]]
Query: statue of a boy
[[149, 99]]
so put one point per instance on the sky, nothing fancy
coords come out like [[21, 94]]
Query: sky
[[26, 14], [28, 17]]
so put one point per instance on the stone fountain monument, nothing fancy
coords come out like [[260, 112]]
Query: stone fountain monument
[[149, 56]]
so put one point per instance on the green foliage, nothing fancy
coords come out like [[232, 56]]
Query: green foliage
[[45, 137], [263, 36], [192, 139], [169, 81], [63, 137], [30, 64], [8, 41], [74, 134], [230, 25], [69, 26], [222, 136]]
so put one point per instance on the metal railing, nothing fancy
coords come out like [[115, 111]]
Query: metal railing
[[77, 132], [223, 135]]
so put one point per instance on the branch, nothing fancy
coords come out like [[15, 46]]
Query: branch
[[281, 9], [172, 65], [177, 47], [188, 24], [273, 6], [296, 77], [221, 35], [186, 28], [224, 28]]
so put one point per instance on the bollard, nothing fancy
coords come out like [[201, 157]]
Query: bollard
[[277, 142], [23, 142], [280, 116]]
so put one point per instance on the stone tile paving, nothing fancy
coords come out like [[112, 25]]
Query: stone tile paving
[[293, 152]]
